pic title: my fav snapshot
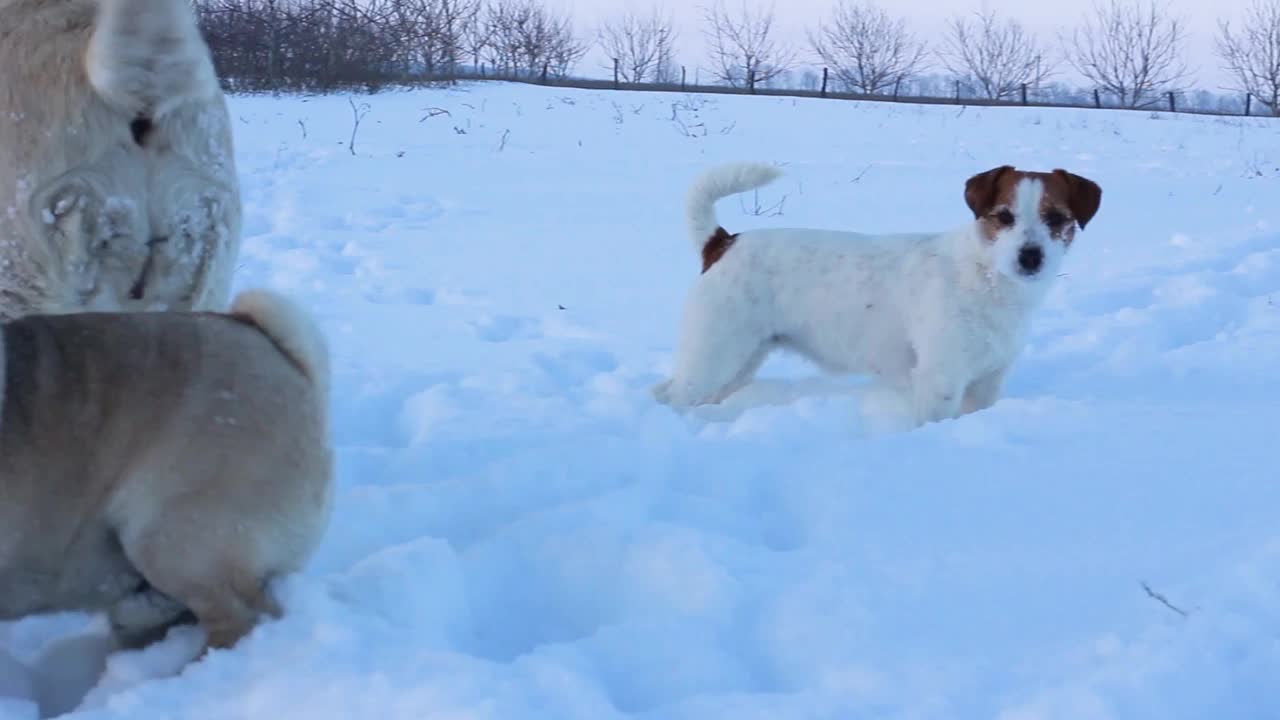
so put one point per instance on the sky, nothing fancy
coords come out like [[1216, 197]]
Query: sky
[[929, 18]]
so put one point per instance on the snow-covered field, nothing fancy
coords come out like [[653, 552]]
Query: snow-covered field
[[522, 532]]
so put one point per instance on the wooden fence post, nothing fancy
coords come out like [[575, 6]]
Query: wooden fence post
[[1248, 103], [824, 82], [1097, 99], [1024, 93], [615, 74], [751, 80], [957, 91], [545, 66], [896, 85], [683, 76], [1172, 107]]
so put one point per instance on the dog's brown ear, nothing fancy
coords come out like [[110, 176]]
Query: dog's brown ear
[[1084, 196], [980, 190]]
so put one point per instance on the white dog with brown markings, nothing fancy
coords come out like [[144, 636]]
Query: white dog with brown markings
[[162, 467], [118, 187], [940, 315]]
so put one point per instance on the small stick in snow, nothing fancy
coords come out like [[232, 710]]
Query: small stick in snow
[[303, 125], [435, 112], [503, 145], [358, 113], [1163, 600]]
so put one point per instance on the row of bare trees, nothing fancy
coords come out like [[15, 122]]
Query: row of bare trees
[[1133, 50], [322, 44]]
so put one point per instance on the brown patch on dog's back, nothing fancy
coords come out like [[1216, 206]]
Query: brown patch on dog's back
[[715, 247]]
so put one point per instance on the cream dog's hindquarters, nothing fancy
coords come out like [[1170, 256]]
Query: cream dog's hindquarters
[[941, 315], [159, 466], [118, 187]]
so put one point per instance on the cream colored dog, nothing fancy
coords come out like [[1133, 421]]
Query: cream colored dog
[[160, 466], [118, 187]]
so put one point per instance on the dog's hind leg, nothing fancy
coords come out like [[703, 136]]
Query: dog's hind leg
[[145, 617], [212, 571], [720, 351]]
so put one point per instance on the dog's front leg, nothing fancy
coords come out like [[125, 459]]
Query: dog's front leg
[[983, 392], [937, 395]]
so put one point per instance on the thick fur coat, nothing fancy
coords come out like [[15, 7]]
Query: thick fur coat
[[118, 186], [161, 467]]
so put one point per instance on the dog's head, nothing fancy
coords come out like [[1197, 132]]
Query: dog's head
[[1027, 220]]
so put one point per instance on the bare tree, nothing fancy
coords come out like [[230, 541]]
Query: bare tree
[[477, 34], [742, 47], [869, 51], [996, 55], [1253, 54], [1131, 50], [528, 39], [642, 46], [433, 32]]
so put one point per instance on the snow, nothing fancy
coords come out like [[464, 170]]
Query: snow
[[522, 532]]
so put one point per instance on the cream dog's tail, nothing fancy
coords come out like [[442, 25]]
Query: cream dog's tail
[[291, 329], [147, 57], [715, 184]]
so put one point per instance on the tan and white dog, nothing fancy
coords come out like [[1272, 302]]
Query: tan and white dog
[[162, 467], [118, 188], [940, 315]]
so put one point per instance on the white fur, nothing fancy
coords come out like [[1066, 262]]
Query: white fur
[[292, 329], [146, 57], [940, 315]]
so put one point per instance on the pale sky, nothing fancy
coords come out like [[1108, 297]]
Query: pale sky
[[928, 18]]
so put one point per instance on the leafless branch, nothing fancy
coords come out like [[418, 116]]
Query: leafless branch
[[642, 45], [1252, 55], [1163, 600], [996, 55], [357, 113], [1131, 50], [868, 50], [742, 46]]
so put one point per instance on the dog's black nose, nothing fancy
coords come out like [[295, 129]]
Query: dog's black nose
[[1030, 257]]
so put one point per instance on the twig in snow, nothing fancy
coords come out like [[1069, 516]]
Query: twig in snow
[[357, 113], [1163, 600], [303, 125], [435, 112], [759, 210], [503, 145]]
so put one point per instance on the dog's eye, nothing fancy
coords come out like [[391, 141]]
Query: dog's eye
[[1004, 217], [1055, 219]]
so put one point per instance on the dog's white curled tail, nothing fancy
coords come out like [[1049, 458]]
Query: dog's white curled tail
[[715, 184], [291, 329], [147, 57]]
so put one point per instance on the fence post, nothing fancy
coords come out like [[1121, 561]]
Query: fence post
[[751, 80], [896, 84], [545, 65], [1097, 99], [957, 91], [1172, 108], [683, 76], [824, 82], [1024, 93], [1248, 103], [615, 74]]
